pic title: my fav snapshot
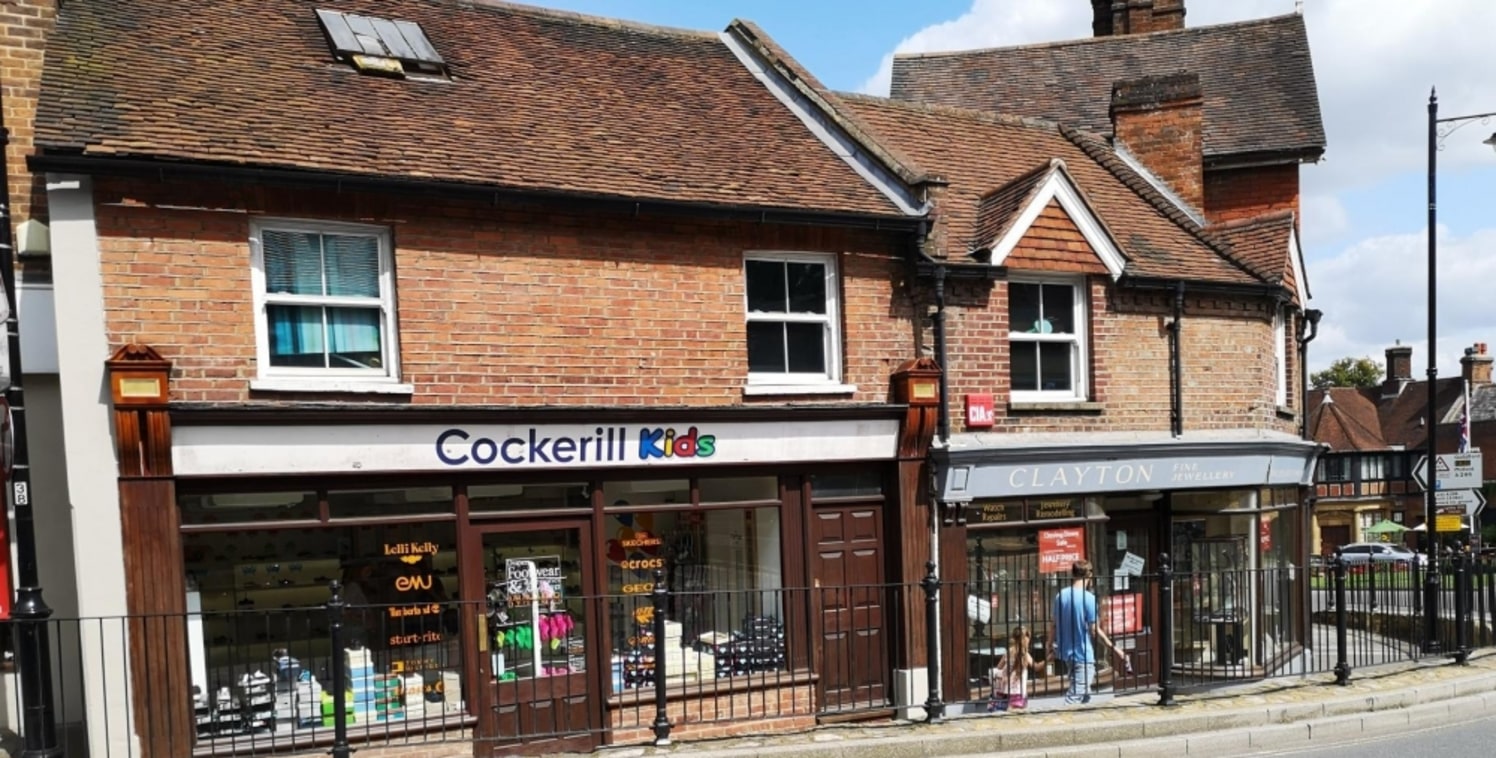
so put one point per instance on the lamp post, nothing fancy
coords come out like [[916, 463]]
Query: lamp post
[[1438, 130], [33, 646]]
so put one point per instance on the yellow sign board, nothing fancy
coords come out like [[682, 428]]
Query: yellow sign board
[[1448, 522]]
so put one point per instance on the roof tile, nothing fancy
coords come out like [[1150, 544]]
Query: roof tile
[[538, 100], [979, 154], [1264, 100]]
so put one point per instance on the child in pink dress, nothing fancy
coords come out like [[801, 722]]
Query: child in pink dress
[[1010, 675]]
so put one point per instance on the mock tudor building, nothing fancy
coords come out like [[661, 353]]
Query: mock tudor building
[[1375, 437], [501, 315]]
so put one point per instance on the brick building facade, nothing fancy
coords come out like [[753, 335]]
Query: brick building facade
[[405, 306]]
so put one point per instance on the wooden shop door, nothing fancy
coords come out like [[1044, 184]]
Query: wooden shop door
[[537, 639], [849, 602]]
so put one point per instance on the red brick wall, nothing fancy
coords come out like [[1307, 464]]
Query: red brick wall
[[24, 26], [1229, 362], [440, 745], [1054, 243], [496, 305], [762, 711], [1242, 193]]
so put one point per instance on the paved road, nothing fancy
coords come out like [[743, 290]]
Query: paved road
[[1469, 739]]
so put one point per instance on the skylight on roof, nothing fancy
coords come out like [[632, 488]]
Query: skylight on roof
[[380, 45]]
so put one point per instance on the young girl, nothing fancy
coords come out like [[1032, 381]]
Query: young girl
[[1010, 675]]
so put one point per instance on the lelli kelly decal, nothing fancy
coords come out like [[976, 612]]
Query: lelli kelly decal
[[458, 447]]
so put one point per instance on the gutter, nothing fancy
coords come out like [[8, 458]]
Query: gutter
[[1310, 319], [167, 170], [1158, 284], [1176, 366]]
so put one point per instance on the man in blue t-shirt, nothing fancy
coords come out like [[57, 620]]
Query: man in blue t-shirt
[[1070, 630]]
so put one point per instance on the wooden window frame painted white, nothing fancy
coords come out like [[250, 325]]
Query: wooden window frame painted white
[[299, 379], [1280, 355], [795, 383], [1080, 359]]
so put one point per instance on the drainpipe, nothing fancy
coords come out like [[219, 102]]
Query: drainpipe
[[943, 424], [1176, 369], [1308, 330]]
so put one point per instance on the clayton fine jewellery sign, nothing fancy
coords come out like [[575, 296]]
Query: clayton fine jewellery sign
[[1026, 478]]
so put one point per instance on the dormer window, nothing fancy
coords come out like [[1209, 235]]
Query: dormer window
[[381, 46]]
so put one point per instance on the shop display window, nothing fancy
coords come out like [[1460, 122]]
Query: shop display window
[[260, 652], [515, 497], [1014, 575], [1234, 553], [389, 502], [536, 614], [249, 507], [724, 568]]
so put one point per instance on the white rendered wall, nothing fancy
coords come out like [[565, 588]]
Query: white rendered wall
[[82, 348]]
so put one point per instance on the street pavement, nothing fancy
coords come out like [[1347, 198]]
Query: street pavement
[[1472, 739], [1269, 716]]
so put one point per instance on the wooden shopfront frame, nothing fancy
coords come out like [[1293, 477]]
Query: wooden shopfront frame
[[794, 479]]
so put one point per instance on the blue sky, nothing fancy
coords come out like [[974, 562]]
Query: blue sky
[[1364, 205]]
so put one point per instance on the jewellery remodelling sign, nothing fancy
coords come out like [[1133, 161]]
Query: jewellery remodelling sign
[[1052, 509]]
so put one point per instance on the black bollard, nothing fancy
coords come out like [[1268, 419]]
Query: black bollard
[[335, 606], [1461, 608], [662, 719], [1342, 664], [1166, 630], [931, 584]]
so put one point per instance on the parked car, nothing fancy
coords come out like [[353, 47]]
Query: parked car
[[1381, 552]]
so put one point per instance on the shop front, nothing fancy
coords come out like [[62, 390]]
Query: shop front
[[1228, 515], [500, 567]]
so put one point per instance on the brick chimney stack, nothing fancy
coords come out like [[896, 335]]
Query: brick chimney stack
[[1117, 17], [1158, 120], [1400, 363], [1399, 369], [1476, 365]]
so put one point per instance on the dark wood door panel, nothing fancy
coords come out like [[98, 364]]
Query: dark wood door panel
[[848, 571]]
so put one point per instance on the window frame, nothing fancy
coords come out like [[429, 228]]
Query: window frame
[[1280, 355], [300, 376], [799, 381], [1345, 469], [1080, 357]]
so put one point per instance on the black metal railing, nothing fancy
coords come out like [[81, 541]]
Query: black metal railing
[[255, 681]]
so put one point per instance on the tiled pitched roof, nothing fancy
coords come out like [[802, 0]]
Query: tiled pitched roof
[[1368, 419], [977, 153], [1260, 244], [1257, 77], [1345, 418], [539, 100], [998, 209]]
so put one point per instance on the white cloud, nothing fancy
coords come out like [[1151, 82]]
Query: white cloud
[[1324, 220], [1374, 294], [988, 23]]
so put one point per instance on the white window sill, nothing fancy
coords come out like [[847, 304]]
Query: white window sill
[[799, 389], [349, 386]]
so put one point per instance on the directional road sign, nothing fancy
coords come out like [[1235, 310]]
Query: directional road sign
[[1453, 471], [1471, 500]]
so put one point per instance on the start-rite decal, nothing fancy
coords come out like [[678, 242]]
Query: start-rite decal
[[613, 444]]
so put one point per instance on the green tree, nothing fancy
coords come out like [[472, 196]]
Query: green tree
[[1348, 372]]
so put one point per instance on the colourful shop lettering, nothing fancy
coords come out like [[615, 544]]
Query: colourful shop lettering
[[665, 443]]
